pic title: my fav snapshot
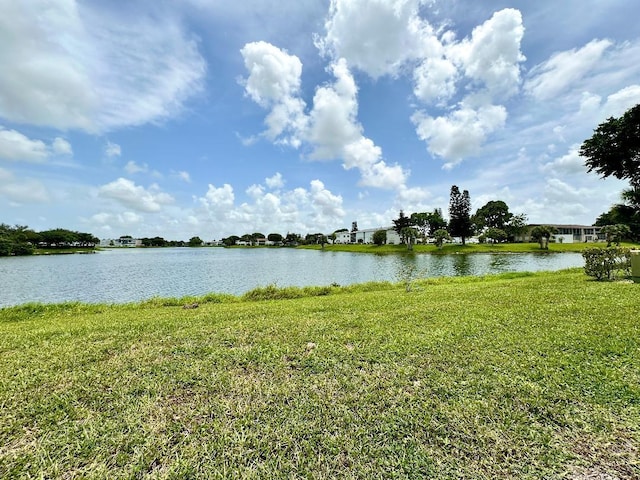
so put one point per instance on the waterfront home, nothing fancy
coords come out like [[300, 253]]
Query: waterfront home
[[366, 235], [125, 241], [567, 233]]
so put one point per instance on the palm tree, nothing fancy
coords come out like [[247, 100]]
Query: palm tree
[[541, 234], [409, 234]]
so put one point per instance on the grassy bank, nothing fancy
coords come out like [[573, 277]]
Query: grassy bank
[[65, 251], [509, 376], [469, 248]]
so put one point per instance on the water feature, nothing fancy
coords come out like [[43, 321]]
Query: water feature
[[127, 275]]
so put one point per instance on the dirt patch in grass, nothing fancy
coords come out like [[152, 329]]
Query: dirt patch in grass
[[607, 459]]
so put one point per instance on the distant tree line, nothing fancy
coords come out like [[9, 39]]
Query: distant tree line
[[277, 239], [21, 240], [161, 242]]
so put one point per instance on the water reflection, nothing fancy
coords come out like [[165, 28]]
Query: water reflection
[[499, 262], [462, 265], [410, 267], [438, 266]]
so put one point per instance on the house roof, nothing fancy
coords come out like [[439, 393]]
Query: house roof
[[562, 225]]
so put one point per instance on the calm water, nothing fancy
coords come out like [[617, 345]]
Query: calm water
[[127, 275]]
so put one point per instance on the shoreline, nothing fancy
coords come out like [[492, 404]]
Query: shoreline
[[466, 249], [273, 292]]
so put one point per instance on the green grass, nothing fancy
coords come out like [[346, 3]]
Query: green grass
[[469, 248], [521, 375]]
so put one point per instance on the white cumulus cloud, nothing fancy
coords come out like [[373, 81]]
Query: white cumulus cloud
[[435, 79], [392, 37], [492, 55], [135, 196], [326, 205], [364, 155], [274, 83], [273, 73], [219, 198], [276, 181], [331, 128], [299, 210], [375, 36], [333, 119], [18, 147], [335, 133], [461, 133]]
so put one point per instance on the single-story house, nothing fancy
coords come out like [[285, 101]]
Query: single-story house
[[568, 233]]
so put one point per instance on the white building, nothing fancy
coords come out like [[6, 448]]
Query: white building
[[366, 235], [570, 233], [342, 237], [121, 242]]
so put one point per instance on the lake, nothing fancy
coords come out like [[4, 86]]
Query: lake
[[129, 275]]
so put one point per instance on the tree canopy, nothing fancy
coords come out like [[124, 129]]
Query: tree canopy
[[154, 242], [195, 242], [615, 233], [614, 148], [401, 223], [494, 214], [428, 222], [496, 235], [21, 240], [14, 240]]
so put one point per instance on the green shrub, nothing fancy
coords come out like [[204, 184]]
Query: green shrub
[[380, 237], [273, 292], [607, 263]]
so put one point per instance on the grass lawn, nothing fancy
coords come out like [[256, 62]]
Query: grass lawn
[[508, 376], [468, 248]]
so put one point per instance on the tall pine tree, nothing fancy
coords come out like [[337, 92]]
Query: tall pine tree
[[460, 214], [400, 223]]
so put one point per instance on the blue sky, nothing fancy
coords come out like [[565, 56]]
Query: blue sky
[[209, 118]]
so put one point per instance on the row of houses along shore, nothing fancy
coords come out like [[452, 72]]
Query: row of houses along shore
[[565, 234]]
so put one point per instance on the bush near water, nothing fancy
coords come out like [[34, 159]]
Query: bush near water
[[607, 263]]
